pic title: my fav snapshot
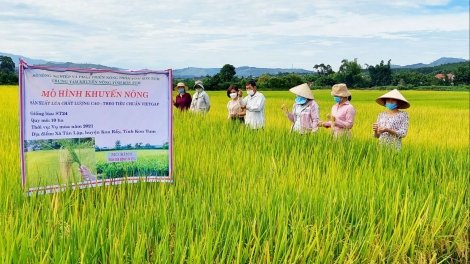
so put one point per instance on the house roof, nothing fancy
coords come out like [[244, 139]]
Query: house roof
[[441, 76]]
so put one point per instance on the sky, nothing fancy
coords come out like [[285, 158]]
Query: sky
[[158, 35]]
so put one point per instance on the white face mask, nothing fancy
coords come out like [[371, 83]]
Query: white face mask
[[233, 95], [198, 90], [250, 92]]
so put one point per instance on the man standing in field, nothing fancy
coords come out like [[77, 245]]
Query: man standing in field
[[254, 104]]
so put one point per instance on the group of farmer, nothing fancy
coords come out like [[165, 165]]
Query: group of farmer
[[390, 128]]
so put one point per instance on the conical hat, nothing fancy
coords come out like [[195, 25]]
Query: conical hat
[[302, 90], [394, 94]]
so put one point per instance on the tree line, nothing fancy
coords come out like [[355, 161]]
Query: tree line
[[351, 73], [8, 74]]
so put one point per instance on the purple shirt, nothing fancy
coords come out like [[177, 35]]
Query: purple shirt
[[183, 101], [344, 118]]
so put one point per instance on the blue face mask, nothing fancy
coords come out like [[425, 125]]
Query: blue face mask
[[391, 106], [300, 100], [337, 99], [180, 90]]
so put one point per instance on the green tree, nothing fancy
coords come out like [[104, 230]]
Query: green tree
[[7, 65], [227, 73], [310, 77], [212, 83], [276, 83], [263, 81], [462, 75], [166, 145], [323, 70], [350, 73], [117, 145], [291, 80], [381, 74], [328, 80], [413, 79]]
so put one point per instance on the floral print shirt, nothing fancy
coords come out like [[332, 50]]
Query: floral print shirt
[[397, 122]]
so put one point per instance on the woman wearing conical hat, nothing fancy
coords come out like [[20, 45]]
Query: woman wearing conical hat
[[305, 112], [392, 125], [342, 113]]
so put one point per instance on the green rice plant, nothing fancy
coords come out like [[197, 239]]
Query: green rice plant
[[270, 196], [70, 147]]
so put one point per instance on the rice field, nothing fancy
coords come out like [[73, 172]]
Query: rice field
[[43, 169], [243, 196]]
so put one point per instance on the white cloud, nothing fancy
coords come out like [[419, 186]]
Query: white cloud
[[182, 33]]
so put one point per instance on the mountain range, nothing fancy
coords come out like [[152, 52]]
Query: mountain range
[[440, 61], [192, 72]]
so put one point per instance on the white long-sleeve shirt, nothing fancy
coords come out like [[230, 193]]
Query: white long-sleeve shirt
[[254, 110], [200, 102]]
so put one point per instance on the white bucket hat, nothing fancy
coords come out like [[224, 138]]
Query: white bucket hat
[[302, 90], [340, 90], [394, 94], [198, 83]]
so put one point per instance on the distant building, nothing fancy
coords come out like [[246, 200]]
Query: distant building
[[442, 76]]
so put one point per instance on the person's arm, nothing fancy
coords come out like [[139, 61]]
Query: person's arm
[[289, 115], [86, 174], [314, 116], [242, 112], [349, 122], [208, 102], [187, 101], [258, 104], [402, 127], [192, 105], [175, 103], [375, 128]]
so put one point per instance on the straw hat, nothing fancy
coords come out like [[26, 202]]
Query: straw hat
[[181, 84], [198, 83], [302, 90], [340, 90], [394, 94]]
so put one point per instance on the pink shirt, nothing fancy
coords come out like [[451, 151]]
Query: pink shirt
[[308, 117], [344, 115]]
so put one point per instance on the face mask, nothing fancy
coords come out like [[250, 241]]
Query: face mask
[[180, 90], [337, 99], [391, 106], [250, 92], [233, 95], [300, 100], [198, 90]]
